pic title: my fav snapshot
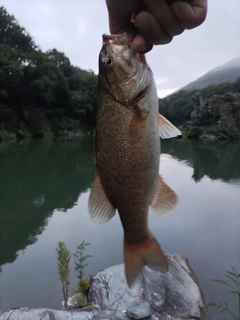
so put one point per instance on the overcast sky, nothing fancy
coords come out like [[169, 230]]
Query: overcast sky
[[75, 27]]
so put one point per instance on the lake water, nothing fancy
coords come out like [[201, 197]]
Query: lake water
[[44, 189]]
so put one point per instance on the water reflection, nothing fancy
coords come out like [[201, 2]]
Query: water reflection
[[40, 184], [215, 159], [36, 178]]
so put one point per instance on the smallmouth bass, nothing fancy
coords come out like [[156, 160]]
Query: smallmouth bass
[[127, 151]]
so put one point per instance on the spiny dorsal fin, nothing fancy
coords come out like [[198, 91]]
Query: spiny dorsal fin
[[99, 207], [167, 129], [164, 198]]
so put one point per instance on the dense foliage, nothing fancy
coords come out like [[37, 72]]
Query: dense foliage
[[40, 93], [178, 106]]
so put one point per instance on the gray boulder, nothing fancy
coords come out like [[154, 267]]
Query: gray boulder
[[142, 311], [156, 295], [44, 314], [175, 293]]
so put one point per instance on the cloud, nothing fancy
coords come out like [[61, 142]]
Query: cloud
[[197, 51], [75, 27]]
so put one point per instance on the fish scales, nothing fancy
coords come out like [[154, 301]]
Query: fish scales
[[127, 150], [128, 179]]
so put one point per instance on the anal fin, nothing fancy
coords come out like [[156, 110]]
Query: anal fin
[[99, 206], [164, 198]]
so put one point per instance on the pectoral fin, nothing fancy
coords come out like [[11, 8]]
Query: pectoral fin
[[164, 198], [99, 206], [138, 126], [167, 129]]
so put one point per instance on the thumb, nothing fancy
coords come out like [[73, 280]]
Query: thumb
[[120, 13]]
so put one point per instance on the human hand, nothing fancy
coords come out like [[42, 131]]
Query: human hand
[[154, 21]]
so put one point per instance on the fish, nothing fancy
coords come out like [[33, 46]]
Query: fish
[[127, 152]]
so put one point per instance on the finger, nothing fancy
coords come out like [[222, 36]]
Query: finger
[[171, 1], [164, 15], [140, 45], [150, 29], [120, 15], [190, 14]]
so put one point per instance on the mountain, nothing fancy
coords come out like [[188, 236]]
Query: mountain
[[229, 72]]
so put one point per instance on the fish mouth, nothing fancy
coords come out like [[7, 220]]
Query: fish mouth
[[117, 39], [123, 39]]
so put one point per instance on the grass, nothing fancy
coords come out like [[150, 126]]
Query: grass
[[63, 263], [80, 298], [112, 306], [232, 281]]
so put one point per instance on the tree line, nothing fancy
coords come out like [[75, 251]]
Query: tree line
[[40, 92]]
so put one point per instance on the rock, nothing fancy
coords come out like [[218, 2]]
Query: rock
[[175, 293], [119, 293], [77, 300], [141, 311], [182, 296], [193, 131], [218, 116], [68, 134], [156, 295], [45, 314]]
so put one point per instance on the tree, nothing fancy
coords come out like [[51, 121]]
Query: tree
[[32, 81]]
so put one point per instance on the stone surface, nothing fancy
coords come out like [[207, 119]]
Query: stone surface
[[120, 294], [175, 292], [217, 116], [171, 295], [45, 314], [141, 311]]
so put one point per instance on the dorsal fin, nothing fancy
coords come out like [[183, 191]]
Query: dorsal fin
[[167, 129]]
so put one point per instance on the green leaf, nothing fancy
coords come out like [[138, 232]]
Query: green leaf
[[232, 279], [221, 311], [234, 269], [234, 292], [231, 273], [212, 304], [222, 282]]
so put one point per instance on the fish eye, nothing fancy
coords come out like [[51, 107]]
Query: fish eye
[[108, 62]]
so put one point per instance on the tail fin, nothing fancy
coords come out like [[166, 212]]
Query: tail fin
[[136, 255]]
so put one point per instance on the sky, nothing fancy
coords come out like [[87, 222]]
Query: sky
[[75, 27]]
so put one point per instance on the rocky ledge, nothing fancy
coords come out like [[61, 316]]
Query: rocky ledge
[[215, 118], [156, 295]]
